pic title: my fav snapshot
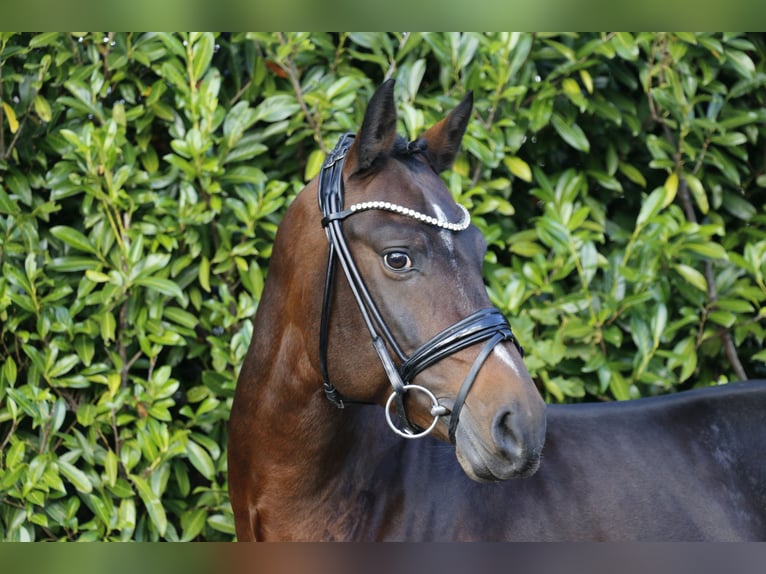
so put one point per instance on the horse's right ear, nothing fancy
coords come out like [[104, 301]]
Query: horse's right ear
[[378, 131], [443, 139]]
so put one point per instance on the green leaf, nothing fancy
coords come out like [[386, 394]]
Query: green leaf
[[202, 54], [619, 386], [640, 333], [181, 317], [729, 139], [152, 503], [571, 133], [83, 99], [86, 414], [17, 277], [687, 37], [735, 305], [698, 192], [587, 80], [7, 205], [108, 326], [626, 45], [518, 167], [540, 113], [192, 523], [63, 365], [692, 276], [97, 276], [74, 238], [246, 149], [44, 39], [314, 164], [150, 264], [204, 273], [43, 108], [172, 43], [521, 49], [276, 108], [15, 455], [659, 321], [671, 188], [72, 263], [75, 476], [164, 286], [606, 181], [738, 206], [526, 248], [687, 357], [611, 160], [13, 123], [553, 232], [572, 90], [414, 79], [741, 62], [102, 507], [9, 371], [723, 318], [651, 205], [708, 249], [222, 523], [201, 460]]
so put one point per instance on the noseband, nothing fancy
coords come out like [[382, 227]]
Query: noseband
[[487, 324]]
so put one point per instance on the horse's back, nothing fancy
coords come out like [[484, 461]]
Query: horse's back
[[682, 467], [687, 466]]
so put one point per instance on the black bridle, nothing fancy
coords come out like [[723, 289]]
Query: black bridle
[[487, 324]]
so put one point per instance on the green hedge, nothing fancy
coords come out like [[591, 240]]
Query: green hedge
[[619, 179]]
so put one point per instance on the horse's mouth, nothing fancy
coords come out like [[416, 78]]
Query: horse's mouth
[[484, 466]]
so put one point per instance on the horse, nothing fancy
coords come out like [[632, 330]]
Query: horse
[[383, 398]]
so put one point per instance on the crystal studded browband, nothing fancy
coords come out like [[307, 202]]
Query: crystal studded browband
[[394, 208]]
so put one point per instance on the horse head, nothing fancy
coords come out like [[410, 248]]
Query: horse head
[[442, 359]]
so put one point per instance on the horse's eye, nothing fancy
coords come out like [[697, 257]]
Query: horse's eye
[[397, 261]]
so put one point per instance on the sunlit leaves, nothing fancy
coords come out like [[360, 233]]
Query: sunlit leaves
[[139, 203], [13, 122], [102, 286], [74, 238], [635, 264], [519, 168]]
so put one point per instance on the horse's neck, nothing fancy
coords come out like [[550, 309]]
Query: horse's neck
[[301, 446], [313, 486], [302, 452]]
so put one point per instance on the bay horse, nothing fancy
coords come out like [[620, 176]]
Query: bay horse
[[384, 398]]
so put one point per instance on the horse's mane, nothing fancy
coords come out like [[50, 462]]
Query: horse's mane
[[407, 151], [404, 148]]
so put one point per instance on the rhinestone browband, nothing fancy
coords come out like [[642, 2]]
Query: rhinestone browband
[[394, 208]]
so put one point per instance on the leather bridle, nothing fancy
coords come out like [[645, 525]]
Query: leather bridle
[[486, 324]]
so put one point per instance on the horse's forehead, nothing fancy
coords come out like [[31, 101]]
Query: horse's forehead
[[414, 184], [447, 239]]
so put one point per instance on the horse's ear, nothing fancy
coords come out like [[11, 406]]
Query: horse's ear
[[443, 139], [378, 131]]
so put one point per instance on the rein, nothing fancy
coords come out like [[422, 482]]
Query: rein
[[487, 324]]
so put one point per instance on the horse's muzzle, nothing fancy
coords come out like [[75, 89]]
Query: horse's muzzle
[[513, 448]]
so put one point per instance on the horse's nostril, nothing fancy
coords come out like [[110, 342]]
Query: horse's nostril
[[506, 433]]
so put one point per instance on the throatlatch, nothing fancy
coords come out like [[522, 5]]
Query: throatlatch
[[487, 324]]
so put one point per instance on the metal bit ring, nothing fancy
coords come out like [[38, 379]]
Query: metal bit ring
[[436, 411]]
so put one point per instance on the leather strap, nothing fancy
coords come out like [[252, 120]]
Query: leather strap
[[468, 383]]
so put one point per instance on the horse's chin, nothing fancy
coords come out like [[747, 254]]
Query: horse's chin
[[485, 467]]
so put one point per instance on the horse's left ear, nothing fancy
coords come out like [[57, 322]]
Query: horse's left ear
[[444, 138], [378, 131]]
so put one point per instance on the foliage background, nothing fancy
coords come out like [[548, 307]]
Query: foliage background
[[619, 178]]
